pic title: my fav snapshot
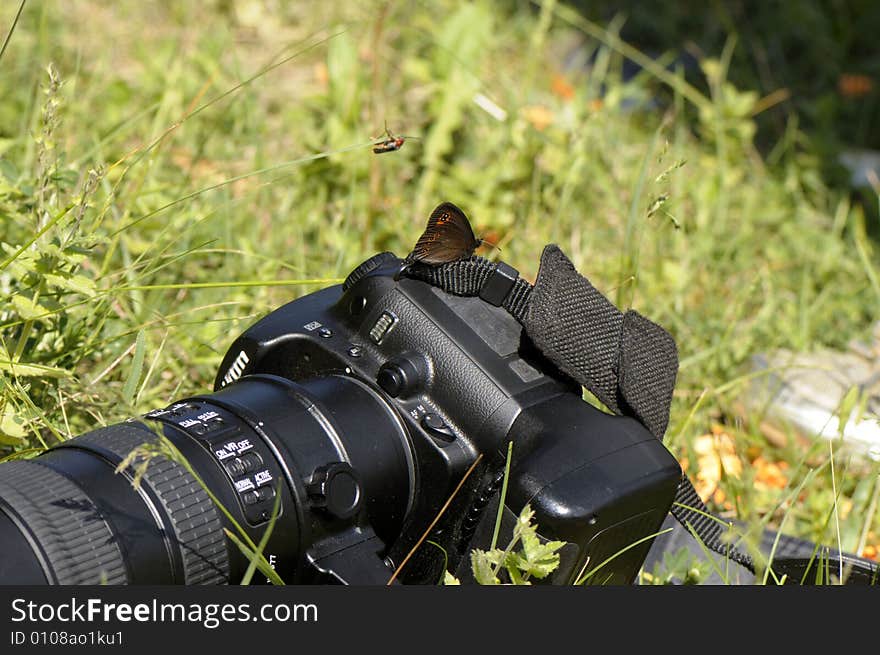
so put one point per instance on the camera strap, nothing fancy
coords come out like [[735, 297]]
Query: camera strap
[[627, 361]]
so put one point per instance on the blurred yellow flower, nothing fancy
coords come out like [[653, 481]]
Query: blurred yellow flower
[[539, 116]]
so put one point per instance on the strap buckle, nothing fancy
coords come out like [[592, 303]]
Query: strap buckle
[[498, 285]]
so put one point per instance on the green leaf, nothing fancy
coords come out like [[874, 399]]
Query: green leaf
[[449, 579], [11, 428], [524, 523], [32, 370], [137, 365], [513, 571], [483, 565], [258, 556], [445, 559], [538, 559], [503, 497], [846, 407], [26, 453], [76, 283], [27, 308], [19, 264], [7, 168], [711, 69]]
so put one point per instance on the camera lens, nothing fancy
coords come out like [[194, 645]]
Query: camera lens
[[68, 517]]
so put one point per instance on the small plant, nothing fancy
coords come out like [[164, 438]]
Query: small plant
[[679, 567], [46, 276], [533, 559]]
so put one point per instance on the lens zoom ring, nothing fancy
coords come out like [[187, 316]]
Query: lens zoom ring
[[193, 516], [75, 539]]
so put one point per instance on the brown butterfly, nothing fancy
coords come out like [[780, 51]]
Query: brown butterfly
[[448, 237]]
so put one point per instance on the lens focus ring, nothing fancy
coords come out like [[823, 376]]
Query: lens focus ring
[[194, 518], [77, 545]]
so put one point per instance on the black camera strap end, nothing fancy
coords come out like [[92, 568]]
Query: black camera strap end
[[647, 366]]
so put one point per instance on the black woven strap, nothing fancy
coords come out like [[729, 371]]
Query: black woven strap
[[628, 362], [467, 277], [689, 510]]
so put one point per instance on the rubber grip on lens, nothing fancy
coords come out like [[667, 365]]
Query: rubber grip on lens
[[194, 519], [74, 541]]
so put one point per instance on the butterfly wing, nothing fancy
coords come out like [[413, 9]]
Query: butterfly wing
[[447, 238]]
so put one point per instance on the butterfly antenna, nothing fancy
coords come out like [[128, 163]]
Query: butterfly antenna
[[483, 242]]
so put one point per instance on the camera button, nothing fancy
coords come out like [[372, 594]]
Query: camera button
[[392, 379], [251, 497], [250, 462], [236, 467], [437, 428], [400, 376]]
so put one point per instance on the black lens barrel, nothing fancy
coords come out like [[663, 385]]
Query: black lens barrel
[[68, 517], [87, 525]]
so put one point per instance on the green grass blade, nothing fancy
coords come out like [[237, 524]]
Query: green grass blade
[[137, 364], [261, 564], [589, 574], [257, 559], [11, 29], [502, 498]]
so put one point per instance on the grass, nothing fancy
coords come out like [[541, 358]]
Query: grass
[[169, 172]]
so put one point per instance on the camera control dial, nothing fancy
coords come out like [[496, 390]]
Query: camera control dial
[[367, 267]]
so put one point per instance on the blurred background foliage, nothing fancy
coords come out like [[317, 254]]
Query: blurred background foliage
[[818, 61]]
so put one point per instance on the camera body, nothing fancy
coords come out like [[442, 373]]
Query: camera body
[[380, 410]]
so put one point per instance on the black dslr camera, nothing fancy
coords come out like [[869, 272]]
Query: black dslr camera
[[367, 406]]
